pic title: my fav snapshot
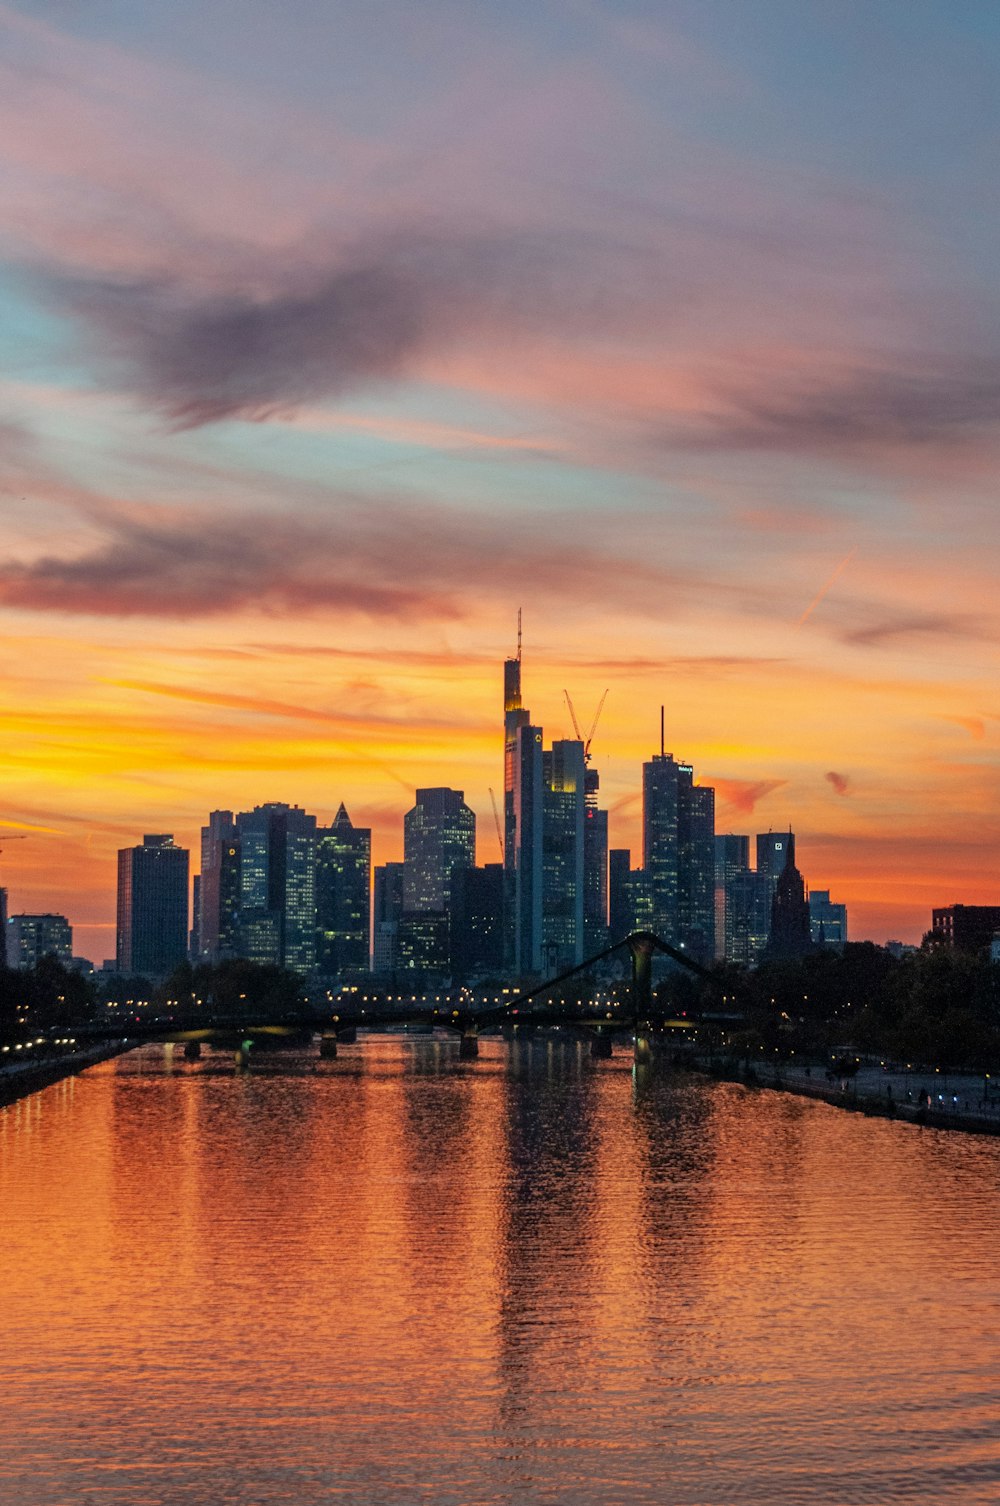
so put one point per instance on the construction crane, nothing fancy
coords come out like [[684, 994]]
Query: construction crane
[[21, 837], [496, 819], [593, 726]]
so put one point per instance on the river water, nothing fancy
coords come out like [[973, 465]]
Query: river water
[[400, 1278]]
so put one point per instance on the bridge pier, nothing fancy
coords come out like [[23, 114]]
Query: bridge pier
[[348, 1036], [600, 1047], [328, 1048], [192, 1051], [468, 1046], [241, 1056], [643, 1048]]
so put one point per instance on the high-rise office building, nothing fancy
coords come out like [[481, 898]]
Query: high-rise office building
[[525, 850], [152, 907], [439, 835], [3, 929], [630, 905], [678, 844], [218, 905], [595, 870], [563, 868], [343, 897], [827, 920], [515, 716], [32, 937], [476, 922], [277, 911], [387, 912], [791, 933]]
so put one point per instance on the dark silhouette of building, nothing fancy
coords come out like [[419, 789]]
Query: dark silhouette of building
[[966, 928], [678, 850], [827, 919], [476, 922], [218, 903], [791, 932], [563, 867], [343, 897], [595, 870], [387, 913], [152, 907]]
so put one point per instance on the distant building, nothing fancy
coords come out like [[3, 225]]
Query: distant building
[[563, 826], [32, 937], [791, 931], [218, 905], [630, 906], [827, 921], [152, 907], [343, 897], [277, 904], [439, 835], [476, 923], [966, 928], [595, 869], [901, 949], [678, 854], [3, 928], [387, 912], [742, 902]]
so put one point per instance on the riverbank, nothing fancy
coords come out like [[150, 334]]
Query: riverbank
[[20, 1077], [931, 1098]]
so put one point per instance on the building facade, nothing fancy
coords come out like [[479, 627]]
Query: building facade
[[343, 897], [152, 930], [32, 937], [277, 906]]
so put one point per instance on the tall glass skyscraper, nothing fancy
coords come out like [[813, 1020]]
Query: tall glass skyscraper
[[278, 885], [343, 897], [152, 907], [678, 845]]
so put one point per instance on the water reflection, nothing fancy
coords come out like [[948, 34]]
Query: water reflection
[[529, 1278]]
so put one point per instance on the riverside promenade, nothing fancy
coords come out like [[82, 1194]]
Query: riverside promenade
[[923, 1096], [38, 1066]]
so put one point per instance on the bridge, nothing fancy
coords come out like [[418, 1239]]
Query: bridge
[[524, 1012]]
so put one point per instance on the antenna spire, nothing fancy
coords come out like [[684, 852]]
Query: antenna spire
[[663, 745], [519, 635]]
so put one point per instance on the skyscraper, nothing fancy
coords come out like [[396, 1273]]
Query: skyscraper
[[387, 913], [525, 850], [514, 717], [152, 907], [277, 912], [219, 890], [595, 869], [743, 902], [563, 868], [439, 835], [791, 933], [343, 897], [476, 929], [678, 846]]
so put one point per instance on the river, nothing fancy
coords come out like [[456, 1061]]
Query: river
[[532, 1278]]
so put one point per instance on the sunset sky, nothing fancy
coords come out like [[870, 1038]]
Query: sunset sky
[[334, 331]]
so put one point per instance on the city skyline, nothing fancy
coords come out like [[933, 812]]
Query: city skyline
[[388, 845], [644, 318]]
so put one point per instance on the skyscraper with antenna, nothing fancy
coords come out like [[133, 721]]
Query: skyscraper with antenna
[[678, 852]]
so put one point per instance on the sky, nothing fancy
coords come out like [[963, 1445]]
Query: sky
[[331, 334]]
